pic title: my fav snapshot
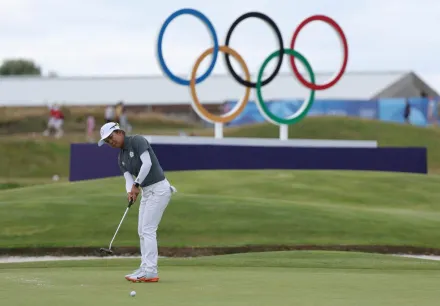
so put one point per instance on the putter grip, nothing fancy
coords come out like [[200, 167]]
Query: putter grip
[[130, 203]]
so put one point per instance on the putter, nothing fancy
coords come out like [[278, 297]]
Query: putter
[[109, 250]]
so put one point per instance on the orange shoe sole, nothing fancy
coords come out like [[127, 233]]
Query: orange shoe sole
[[144, 280]]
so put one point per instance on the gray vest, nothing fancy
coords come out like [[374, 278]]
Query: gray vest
[[129, 159]]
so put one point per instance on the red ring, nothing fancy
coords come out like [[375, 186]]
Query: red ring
[[341, 34]]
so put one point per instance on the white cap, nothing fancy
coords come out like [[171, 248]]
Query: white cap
[[106, 130]]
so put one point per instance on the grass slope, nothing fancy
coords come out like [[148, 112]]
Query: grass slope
[[283, 278], [234, 208], [34, 159], [34, 120], [52, 157]]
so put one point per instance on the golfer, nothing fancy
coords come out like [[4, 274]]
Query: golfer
[[137, 160]]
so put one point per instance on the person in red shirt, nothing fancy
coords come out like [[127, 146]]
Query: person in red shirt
[[56, 121]]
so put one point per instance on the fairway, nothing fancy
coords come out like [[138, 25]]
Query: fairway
[[234, 208], [279, 278]]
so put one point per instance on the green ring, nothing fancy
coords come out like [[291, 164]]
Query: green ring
[[262, 104]]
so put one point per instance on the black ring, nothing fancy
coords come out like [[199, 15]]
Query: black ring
[[272, 24]]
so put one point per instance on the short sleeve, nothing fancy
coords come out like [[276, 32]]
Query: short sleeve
[[140, 144]]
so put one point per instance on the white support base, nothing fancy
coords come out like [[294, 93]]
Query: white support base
[[218, 132], [284, 132], [265, 142]]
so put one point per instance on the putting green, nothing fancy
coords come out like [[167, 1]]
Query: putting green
[[234, 208], [279, 278]]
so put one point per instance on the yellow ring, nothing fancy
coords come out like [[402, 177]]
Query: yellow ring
[[198, 107]]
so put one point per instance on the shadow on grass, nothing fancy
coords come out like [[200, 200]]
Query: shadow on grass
[[6, 186]]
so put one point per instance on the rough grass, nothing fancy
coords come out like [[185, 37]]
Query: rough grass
[[28, 120], [51, 157], [282, 259]]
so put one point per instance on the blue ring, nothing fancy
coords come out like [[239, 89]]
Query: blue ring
[[208, 23]]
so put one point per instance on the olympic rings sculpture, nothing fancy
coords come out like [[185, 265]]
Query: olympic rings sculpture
[[228, 51]]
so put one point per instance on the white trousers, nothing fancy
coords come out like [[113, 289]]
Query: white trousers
[[55, 123], [155, 199]]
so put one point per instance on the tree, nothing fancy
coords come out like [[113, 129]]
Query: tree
[[19, 67]]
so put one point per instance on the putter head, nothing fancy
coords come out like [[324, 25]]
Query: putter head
[[106, 251]]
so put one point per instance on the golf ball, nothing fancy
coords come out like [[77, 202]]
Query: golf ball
[[133, 293]]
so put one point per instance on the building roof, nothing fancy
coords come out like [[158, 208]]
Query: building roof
[[409, 85], [158, 90]]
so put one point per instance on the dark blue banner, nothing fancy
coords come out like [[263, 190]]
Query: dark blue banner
[[88, 161]]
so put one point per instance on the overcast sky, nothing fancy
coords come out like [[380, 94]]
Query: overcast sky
[[115, 37]]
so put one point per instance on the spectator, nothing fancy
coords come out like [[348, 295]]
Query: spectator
[[432, 116], [123, 121], [90, 128], [55, 122], [119, 111], [407, 111], [109, 113]]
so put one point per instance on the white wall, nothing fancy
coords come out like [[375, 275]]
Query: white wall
[[35, 91]]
